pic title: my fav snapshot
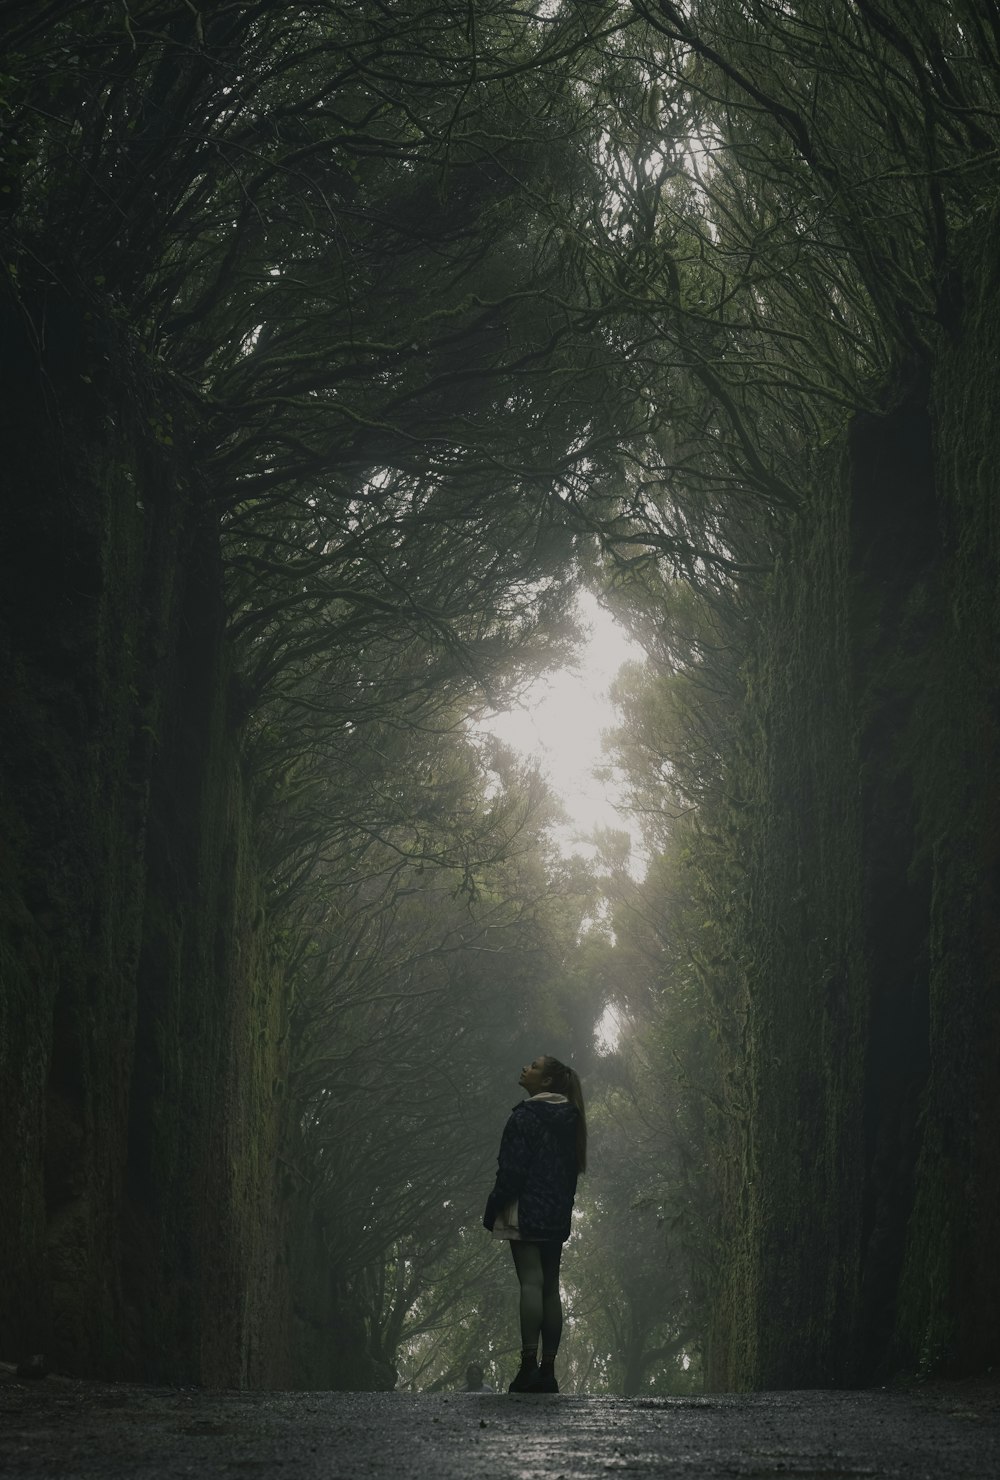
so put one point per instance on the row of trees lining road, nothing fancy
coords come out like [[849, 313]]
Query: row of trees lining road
[[343, 342], [839, 176], [292, 263]]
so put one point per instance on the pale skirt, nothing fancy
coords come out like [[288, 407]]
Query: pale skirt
[[506, 1225]]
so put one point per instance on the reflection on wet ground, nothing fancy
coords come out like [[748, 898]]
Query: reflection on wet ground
[[66, 1428]]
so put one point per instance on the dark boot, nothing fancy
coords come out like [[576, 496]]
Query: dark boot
[[544, 1380], [526, 1374]]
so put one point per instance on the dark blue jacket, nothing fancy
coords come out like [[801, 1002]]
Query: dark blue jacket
[[537, 1166]]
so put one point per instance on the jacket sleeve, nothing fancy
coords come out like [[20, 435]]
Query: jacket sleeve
[[517, 1149]]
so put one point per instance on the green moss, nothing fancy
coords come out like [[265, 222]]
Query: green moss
[[795, 1238], [863, 1210], [950, 1290], [138, 1224]]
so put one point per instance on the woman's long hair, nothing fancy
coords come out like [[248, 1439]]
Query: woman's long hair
[[566, 1081]]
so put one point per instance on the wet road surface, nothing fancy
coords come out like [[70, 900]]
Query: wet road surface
[[63, 1428]]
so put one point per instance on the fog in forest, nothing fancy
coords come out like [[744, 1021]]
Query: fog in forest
[[499, 557]]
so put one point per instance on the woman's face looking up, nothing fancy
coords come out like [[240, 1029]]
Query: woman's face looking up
[[533, 1076]]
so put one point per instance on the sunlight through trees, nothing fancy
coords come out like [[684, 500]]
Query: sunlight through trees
[[348, 348]]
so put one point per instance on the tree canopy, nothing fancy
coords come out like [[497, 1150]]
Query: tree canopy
[[403, 319]]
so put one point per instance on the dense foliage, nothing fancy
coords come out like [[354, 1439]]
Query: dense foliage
[[367, 332]]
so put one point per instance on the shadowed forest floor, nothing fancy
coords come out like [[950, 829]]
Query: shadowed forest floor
[[68, 1428]]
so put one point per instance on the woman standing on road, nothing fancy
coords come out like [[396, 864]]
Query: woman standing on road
[[544, 1148]]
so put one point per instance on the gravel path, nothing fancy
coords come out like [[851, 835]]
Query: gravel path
[[63, 1428]]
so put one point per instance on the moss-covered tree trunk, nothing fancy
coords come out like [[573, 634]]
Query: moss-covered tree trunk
[[866, 1218], [140, 1011], [949, 1303], [786, 1304]]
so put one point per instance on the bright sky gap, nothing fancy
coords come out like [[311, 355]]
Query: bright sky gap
[[560, 723]]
